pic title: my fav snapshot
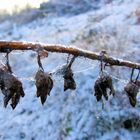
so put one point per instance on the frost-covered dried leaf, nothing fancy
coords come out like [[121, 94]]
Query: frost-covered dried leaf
[[11, 87], [132, 89], [44, 85], [69, 82], [102, 84]]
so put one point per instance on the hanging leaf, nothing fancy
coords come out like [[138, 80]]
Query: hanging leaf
[[11, 87], [102, 84], [132, 89], [69, 82], [44, 85]]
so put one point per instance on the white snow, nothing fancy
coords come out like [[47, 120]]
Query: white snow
[[74, 115]]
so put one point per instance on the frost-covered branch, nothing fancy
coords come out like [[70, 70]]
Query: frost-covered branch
[[9, 46], [12, 89]]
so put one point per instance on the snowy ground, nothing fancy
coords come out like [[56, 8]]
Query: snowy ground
[[75, 115]]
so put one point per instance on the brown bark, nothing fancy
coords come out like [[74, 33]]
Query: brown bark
[[9, 46]]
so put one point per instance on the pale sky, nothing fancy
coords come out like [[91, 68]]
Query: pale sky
[[9, 5]]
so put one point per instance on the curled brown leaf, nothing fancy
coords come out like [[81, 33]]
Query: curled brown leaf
[[102, 84], [44, 85], [69, 82], [11, 88], [132, 89]]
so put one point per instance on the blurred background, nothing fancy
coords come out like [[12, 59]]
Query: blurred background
[[95, 25]]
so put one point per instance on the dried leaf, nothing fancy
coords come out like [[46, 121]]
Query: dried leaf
[[11, 87], [69, 82], [44, 85], [132, 89], [103, 83]]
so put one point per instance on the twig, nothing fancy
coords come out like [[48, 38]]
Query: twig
[[5, 45]]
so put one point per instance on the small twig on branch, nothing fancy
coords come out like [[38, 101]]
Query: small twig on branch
[[6, 45]]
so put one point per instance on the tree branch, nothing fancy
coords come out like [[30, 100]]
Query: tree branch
[[9, 46]]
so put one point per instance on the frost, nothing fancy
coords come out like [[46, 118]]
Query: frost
[[74, 115]]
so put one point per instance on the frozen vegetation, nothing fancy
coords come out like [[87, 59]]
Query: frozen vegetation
[[113, 25]]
